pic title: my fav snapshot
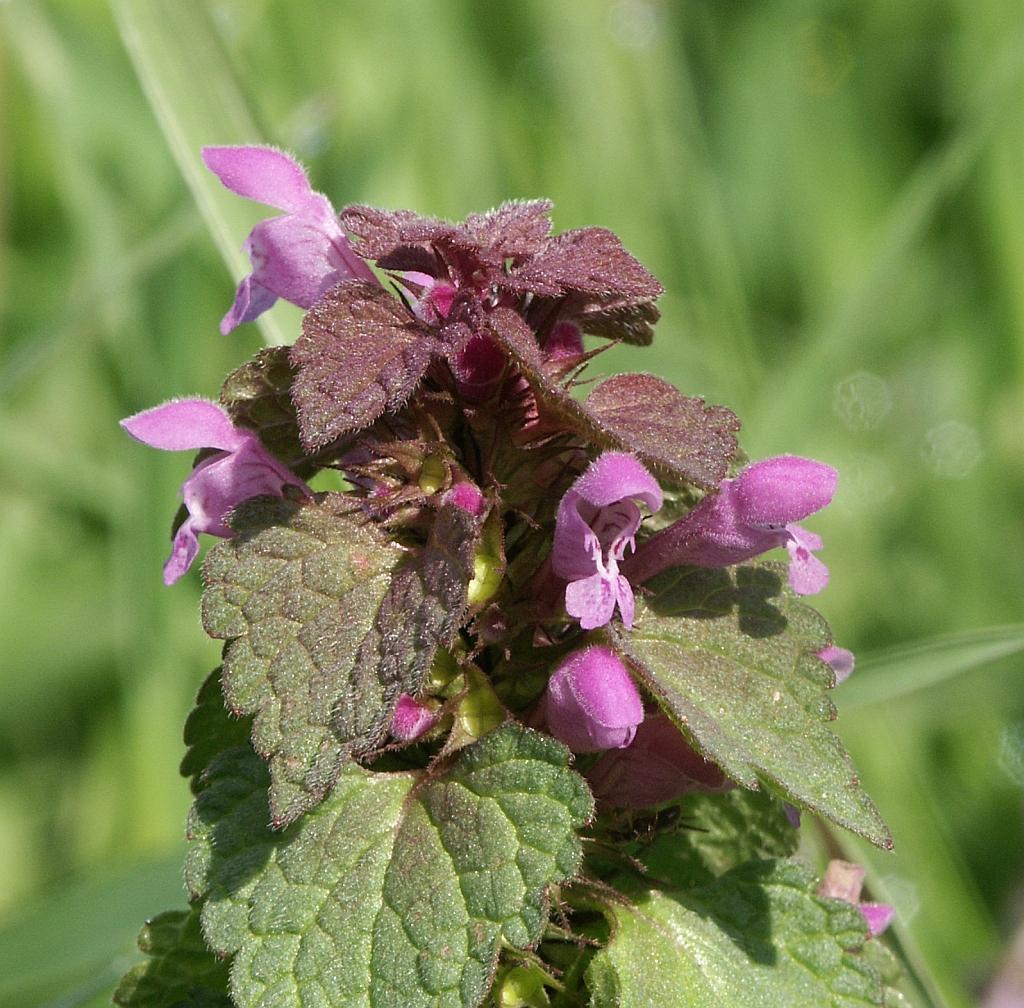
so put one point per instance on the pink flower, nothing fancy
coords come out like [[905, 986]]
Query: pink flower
[[840, 659], [240, 469], [751, 514], [411, 719], [591, 702], [658, 767], [843, 881], [298, 256], [597, 520]]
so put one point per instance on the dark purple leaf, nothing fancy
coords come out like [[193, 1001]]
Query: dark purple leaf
[[515, 230], [632, 324], [360, 354], [677, 434], [590, 262], [517, 338], [376, 232]]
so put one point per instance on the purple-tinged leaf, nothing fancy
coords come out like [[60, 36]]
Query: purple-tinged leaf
[[295, 596], [326, 624], [421, 611], [632, 324], [376, 232], [360, 354], [591, 262], [515, 230], [678, 435], [518, 340]]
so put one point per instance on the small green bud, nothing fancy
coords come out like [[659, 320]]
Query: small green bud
[[433, 474]]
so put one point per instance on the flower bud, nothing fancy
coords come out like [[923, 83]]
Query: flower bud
[[591, 702], [411, 719], [843, 881], [840, 659]]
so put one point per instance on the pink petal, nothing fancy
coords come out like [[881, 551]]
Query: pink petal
[[184, 425], [466, 497], [590, 600], [411, 719], [840, 659], [878, 916], [267, 176], [252, 299], [784, 489], [592, 703], [572, 552], [843, 880], [615, 476], [807, 574], [295, 260], [219, 484], [183, 552], [627, 604]]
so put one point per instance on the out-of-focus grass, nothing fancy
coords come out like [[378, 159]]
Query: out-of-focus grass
[[832, 195]]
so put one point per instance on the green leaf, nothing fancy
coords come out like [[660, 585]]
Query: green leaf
[[399, 889], [718, 832], [190, 84], [180, 970], [296, 596], [731, 657], [756, 938], [326, 623], [257, 395], [210, 730]]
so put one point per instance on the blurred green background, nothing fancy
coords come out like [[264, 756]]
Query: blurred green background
[[832, 194]]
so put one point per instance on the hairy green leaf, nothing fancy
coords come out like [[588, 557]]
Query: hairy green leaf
[[398, 890], [210, 729], [180, 972], [717, 832], [731, 657], [756, 938], [326, 622], [257, 395]]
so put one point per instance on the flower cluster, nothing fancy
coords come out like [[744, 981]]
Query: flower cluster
[[504, 306], [446, 632]]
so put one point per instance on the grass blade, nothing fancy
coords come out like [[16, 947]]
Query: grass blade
[[187, 79]]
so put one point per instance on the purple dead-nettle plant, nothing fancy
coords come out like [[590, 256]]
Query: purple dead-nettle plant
[[533, 695]]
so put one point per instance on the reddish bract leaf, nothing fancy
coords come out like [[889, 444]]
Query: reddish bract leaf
[[677, 434], [515, 230], [631, 323], [588, 261], [516, 337], [360, 354], [377, 232]]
